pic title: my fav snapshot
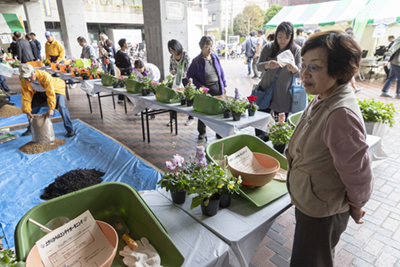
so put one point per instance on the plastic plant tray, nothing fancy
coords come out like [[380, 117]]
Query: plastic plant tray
[[134, 87], [103, 201], [263, 195], [167, 95], [107, 80], [209, 104]]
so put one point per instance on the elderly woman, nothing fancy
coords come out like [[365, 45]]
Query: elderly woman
[[330, 176], [206, 71], [268, 62]]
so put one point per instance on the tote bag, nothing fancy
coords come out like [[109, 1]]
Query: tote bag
[[299, 97], [264, 98]]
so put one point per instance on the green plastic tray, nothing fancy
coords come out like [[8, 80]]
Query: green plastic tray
[[207, 104], [107, 80], [166, 95], [263, 195], [103, 201], [294, 118], [134, 87]]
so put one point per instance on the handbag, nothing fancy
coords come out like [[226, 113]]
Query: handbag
[[265, 97], [299, 97]]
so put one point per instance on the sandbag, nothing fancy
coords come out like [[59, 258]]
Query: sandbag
[[42, 130]]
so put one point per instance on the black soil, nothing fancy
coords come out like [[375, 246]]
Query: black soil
[[72, 181]]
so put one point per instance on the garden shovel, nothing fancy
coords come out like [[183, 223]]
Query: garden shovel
[[123, 231]]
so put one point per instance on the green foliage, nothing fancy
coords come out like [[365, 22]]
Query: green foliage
[[238, 106], [15, 63], [242, 39], [251, 18], [225, 105], [280, 134], [377, 111], [8, 259], [271, 12], [229, 185], [190, 91], [230, 33], [86, 73], [216, 33], [310, 98], [169, 80]]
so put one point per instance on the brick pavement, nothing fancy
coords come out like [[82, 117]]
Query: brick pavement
[[375, 243]]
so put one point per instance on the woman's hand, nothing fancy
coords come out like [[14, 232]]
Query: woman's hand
[[225, 91], [292, 68], [273, 64], [357, 214]]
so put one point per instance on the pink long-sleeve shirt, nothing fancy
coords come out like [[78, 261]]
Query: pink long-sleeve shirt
[[345, 137]]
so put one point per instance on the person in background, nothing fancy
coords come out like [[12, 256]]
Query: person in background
[[206, 71], [40, 89], [300, 40], [251, 48], [271, 37], [147, 69], [54, 50], [282, 99], [37, 43], [109, 46], [33, 47], [329, 173], [24, 50], [387, 67], [178, 57], [103, 54], [123, 62], [261, 41], [3, 85], [13, 48], [87, 50], [356, 89], [393, 56]]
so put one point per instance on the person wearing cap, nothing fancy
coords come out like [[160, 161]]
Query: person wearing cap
[[54, 50], [40, 89]]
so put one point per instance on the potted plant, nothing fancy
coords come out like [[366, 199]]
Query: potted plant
[[58, 66], [225, 108], [176, 180], [190, 91], [182, 97], [205, 182], [228, 186], [237, 106], [121, 82], [68, 69], [280, 133], [252, 106], [45, 62], [93, 70], [115, 82], [73, 63], [377, 115], [76, 72], [84, 75], [169, 80]]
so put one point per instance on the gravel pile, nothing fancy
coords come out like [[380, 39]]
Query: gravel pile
[[36, 148]]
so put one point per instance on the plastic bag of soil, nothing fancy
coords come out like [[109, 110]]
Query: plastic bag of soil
[[42, 130], [6, 136]]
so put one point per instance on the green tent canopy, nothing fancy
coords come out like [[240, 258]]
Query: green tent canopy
[[10, 23], [383, 11], [319, 14]]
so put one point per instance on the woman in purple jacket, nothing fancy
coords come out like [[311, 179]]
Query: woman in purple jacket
[[206, 71]]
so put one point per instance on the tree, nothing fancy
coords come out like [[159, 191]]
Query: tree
[[250, 19], [271, 12], [230, 33], [217, 34]]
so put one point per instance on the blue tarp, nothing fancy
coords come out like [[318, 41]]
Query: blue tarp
[[23, 177], [19, 119]]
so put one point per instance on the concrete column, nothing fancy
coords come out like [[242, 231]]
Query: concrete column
[[163, 21], [35, 19], [73, 25]]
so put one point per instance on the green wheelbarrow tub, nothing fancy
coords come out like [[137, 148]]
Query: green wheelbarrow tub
[[207, 104], [167, 95], [107, 80], [103, 201], [134, 87]]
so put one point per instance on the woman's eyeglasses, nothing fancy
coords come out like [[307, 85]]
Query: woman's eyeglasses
[[310, 67]]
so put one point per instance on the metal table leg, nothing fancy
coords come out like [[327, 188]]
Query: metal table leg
[[147, 125], [125, 104], [101, 110], [176, 122], [66, 91], [143, 132], [90, 103], [112, 94]]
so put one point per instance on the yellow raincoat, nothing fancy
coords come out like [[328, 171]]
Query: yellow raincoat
[[52, 85], [54, 49]]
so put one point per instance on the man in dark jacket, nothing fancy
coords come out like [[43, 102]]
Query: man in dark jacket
[[250, 51], [13, 48], [24, 50], [33, 46], [37, 43]]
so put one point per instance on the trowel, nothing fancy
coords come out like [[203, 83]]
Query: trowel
[[123, 231]]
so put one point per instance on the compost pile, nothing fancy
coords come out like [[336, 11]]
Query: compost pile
[[7, 109], [36, 148], [72, 181]]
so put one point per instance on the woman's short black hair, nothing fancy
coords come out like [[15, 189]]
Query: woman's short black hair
[[122, 42], [176, 46], [287, 28], [344, 54], [205, 40], [138, 64]]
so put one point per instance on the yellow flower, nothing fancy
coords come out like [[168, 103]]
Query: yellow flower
[[230, 186], [220, 185]]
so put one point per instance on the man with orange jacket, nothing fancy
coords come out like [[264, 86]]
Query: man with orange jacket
[[40, 89]]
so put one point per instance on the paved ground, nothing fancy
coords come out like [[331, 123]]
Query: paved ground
[[375, 243]]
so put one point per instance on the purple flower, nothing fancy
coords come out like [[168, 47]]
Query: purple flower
[[201, 157], [145, 73], [132, 69], [170, 165], [237, 96]]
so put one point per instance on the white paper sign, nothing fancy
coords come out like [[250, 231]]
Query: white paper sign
[[379, 31], [174, 10], [245, 161], [80, 242]]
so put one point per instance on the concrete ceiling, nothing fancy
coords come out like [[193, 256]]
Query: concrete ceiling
[[16, 1]]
